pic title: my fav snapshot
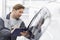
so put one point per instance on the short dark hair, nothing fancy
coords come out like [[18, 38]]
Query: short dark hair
[[18, 6]]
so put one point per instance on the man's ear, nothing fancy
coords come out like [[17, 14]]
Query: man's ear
[[13, 10]]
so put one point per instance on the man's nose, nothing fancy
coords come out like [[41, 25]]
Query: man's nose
[[19, 13]]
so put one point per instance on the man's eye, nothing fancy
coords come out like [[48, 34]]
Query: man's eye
[[20, 12], [12, 28]]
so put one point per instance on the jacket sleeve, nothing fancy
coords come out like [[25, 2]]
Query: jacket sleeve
[[1, 24], [4, 33]]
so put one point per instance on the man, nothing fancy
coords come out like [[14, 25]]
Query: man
[[15, 15], [15, 23]]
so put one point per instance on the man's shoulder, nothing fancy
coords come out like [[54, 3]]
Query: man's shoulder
[[8, 16]]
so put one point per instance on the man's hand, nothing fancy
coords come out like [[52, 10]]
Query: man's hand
[[25, 33]]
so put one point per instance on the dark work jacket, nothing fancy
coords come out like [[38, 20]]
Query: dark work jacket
[[17, 31], [22, 24]]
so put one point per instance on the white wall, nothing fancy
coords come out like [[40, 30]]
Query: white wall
[[0, 8]]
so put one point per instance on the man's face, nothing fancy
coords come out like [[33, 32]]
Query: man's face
[[18, 12]]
